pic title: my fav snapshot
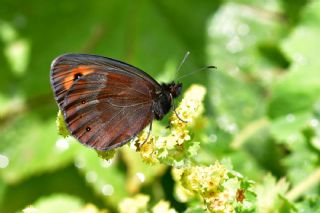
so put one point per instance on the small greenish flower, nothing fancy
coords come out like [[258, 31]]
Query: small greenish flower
[[61, 124], [136, 204], [220, 190], [106, 155], [175, 146], [139, 204], [207, 180], [163, 207]]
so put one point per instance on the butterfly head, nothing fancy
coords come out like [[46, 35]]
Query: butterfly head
[[174, 89]]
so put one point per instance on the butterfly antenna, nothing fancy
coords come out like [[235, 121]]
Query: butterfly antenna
[[203, 68], [182, 62]]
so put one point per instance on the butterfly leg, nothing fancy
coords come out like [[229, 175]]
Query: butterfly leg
[[149, 132], [175, 112]]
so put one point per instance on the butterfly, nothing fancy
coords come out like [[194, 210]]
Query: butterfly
[[106, 102]]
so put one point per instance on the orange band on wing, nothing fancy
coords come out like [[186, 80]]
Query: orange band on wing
[[72, 76]]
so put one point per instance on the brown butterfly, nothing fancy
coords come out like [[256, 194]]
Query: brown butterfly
[[106, 102]]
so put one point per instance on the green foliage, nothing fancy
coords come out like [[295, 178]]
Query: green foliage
[[260, 120], [57, 203]]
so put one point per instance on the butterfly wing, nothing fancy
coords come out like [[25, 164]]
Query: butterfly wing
[[105, 102], [68, 68]]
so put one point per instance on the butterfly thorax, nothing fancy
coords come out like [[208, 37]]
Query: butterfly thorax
[[165, 96]]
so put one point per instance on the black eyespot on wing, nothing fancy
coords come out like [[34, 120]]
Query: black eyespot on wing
[[88, 128], [77, 76]]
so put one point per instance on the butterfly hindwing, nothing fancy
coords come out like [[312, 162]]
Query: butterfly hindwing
[[110, 114]]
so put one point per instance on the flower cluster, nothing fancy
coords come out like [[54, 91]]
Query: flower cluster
[[163, 207], [61, 125], [135, 204], [220, 189], [174, 146], [139, 204]]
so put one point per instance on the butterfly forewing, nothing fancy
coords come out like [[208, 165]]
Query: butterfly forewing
[[105, 102], [67, 69]]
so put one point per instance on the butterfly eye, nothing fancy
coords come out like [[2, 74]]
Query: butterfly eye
[[175, 89], [88, 129], [77, 76]]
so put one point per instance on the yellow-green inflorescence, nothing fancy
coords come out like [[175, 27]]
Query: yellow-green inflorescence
[[140, 204], [175, 146], [221, 190], [61, 125], [135, 204]]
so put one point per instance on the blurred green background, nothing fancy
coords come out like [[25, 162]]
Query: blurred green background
[[262, 105]]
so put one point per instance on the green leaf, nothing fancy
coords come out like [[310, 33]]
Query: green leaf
[[299, 89], [235, 102], [297, 92], [309, 205], [308, 161], [57, 203], [236, 34], [33, 147], [288, 129], [107, 178]]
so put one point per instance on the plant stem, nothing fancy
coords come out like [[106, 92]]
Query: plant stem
[[248, 131], [303, 186]]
